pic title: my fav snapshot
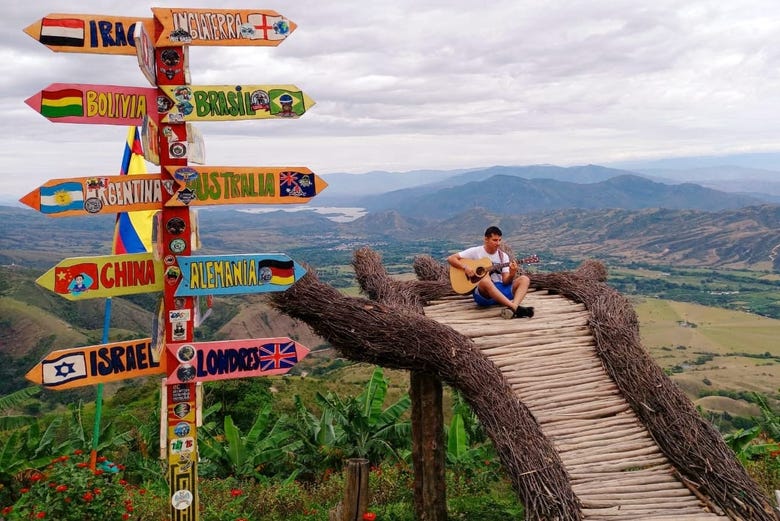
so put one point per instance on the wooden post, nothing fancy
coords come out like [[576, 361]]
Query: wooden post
[[355, 502], [428, 452]]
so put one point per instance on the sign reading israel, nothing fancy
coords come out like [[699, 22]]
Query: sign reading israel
[[77, 367], [236, 274]]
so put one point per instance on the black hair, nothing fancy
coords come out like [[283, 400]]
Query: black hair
[[493, 230]]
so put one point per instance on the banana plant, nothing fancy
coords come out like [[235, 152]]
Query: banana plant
[[9, 420], [262, 451]]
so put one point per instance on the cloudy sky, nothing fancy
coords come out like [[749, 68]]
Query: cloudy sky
[[435, 84]]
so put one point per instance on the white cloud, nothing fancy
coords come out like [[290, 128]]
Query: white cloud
[[406, 85]]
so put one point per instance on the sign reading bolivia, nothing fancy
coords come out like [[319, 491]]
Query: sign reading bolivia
[[236, 274], [182, 103], [207, 361], [208, 185], [81, 278], [91, 365], [88, 33], [183, 26], [104, 104], [100, 194]]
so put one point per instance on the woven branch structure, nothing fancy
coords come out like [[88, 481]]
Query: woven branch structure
[[389, 329]]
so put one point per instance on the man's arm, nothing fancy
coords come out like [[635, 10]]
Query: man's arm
[[455, 261]]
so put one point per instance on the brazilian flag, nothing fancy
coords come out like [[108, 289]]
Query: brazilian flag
[[286, 103]]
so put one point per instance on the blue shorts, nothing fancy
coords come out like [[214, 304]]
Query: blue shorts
[[506, 289]]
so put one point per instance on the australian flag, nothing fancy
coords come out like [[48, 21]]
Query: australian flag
[[278, 356], [296, 184]]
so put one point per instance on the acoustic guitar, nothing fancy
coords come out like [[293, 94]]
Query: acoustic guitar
[[463, 284]]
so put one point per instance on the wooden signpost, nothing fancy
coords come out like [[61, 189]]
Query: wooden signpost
[[209, 361], [87, 33], [165, 112], [210, 185], [100, 194], [236, 274], [96, 104], [82, 366], [79, 278], [181, 103]]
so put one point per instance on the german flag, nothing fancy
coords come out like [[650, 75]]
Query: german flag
[[282, 272]]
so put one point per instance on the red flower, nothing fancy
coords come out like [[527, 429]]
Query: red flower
[[123, 482], [61, 488], [81, 465], [125, 516], [235, 492], [87, 496], [96, 491], [41, 514], [98, 472], [36, 477], [25, 490], [7, 510], [369, 516], [78, 452], [101, 459]]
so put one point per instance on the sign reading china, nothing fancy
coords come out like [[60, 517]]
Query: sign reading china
[[99, 195], [181, 103], [209, 185], [88, 33], [81, 366], [102, 104], [183, 26], [236, 274], [79, 278], [207, 361]]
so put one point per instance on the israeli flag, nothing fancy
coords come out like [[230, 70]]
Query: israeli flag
[[64, 369]]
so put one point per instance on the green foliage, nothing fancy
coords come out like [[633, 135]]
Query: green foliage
[[68, 490], [262, 451], [10, 403]]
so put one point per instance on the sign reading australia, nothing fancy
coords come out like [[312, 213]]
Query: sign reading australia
[[236, 274]]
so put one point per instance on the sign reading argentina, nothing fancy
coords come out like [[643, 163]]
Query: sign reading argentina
[[236, 274]]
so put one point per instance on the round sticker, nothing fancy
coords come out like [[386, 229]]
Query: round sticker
[[186, 353], [93, 205], [175, 226], [185, 373], [177, 245], [181, 499]]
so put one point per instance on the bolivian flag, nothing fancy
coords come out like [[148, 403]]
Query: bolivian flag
[[62, 103]]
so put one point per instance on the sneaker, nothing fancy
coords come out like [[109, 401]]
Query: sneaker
[[523, 312]]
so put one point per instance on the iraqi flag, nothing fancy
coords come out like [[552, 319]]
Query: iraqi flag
[[65, 32]]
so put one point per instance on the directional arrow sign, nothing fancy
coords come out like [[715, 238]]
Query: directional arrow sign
[[207, 361], [207, 185], [81, 278], [182, 103], [104, 104], [100, 194], [87, 33], [236, 274], [181, 26], [91, 365]]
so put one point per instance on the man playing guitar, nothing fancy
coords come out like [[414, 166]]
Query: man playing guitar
[[503, 287]]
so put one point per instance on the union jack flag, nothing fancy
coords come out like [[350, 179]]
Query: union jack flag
[[278, 356]]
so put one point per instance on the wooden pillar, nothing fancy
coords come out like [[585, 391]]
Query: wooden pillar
[[355, 502], [428, 451]]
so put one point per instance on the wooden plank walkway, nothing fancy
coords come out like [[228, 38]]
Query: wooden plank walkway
[[616, 469]]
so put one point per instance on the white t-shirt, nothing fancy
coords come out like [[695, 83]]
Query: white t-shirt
[[479, 252]]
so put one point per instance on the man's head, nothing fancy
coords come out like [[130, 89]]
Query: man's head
[[492, 239]]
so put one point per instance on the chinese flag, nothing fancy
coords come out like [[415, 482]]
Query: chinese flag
[[64, 276]]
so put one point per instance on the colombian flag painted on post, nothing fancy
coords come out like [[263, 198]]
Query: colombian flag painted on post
[[133, 231]]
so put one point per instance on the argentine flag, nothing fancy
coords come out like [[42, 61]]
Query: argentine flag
[[62, 197]]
